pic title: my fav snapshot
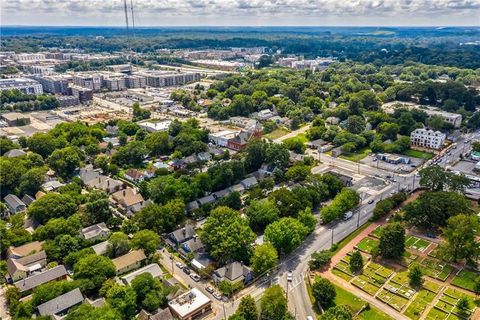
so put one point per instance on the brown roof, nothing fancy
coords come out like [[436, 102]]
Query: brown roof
[[39, 194], [129, 259], [25, 249], [127, 197], [134, 173]]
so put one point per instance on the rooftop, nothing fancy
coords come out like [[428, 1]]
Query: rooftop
[[61, 303], [41, 278], [189, 302], [153, 269], [128, 259]]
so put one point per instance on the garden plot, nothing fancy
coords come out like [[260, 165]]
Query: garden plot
[[419, 304], [367, 245], [344, 269], [432, 286], [417, 244], [465, 279], [366, 284], [435, 253], [436, 269], [395, 301], [399, 285], [407, 259], [448, 301], [372, 278], [377, 233]]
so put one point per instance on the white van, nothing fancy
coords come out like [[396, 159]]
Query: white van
[[347, 216]]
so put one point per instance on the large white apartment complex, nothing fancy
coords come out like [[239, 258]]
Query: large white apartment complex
[[25, 85], [427, 138]]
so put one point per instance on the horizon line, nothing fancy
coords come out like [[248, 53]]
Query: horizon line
[[243, 26]]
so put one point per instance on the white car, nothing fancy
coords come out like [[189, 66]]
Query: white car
[[179, 264], [195, 277], [289, 276], [217, 295]]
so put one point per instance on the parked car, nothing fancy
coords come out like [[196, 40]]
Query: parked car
[[195, 277], [210, 289], [289, 276], [186, 270], [179, 264], [347, 216], [370, 201], [217, 295]]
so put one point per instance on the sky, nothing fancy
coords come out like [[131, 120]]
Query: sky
[[243, 12]]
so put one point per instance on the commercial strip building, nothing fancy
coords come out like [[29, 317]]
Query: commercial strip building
[[190, 305], [429, 139]]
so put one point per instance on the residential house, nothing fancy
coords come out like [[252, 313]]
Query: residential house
[[346, 180], [135, 175], [159, 314], [192, 205], [316, 144], [30, 283], [129, 261], [14, 153], [94, 180], [24, 250], [181, 235], [14, 204], [129, 201], [193, 245], [100, 248], [233, 272], [52, 185], [21, 268], [28, 199], [59, 306], [206, 200], [153, 269], [95, 232], [265, 114], [249, 182], [204, 156]]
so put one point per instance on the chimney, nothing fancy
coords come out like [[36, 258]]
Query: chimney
[[184, 231], [124, 192]]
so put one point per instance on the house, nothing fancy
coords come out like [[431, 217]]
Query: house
[[39, 194], [28, 200], [14, 204], [24, 250], [265, 114], [206, 200], [190, 305], [14, 153], [192, 205], [161, 165], [181, 235], [111, 130], [94, 180], [240, 140], [337, 151], [160, 314], [21, 268], [30, 283], [52, 185], [192, 246], [100, 248], [249, 182], [178, 164], [129, 201], [129, 261], [135, 175], [153, 269], [316, 144], [59, 306], [204, 156], [237, 188], [96, 232], [332, 120], [233, 272]]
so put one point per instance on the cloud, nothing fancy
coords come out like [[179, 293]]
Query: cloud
[[219, 12]]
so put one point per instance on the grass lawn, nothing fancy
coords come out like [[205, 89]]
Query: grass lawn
[[436, 314], [422, 300], [415, 243], [465, 279], [345, 241], [341, 274], [356, 156], [277, 133], [408, 258], [418, 154], [300, 137], [377, 233], [436, 269], [367, 244], [432, 286]]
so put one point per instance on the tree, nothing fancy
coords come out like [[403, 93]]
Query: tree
[[307, 219], [102, 161], [42, 143], [346, 200], [436, 122], [146, 240], [131, 154], [286, 201], [264, 258], [432, 209], [415, 275], [226, 287], [123, 299], [388, 130], [52, 205], [460, 235], [297, 172], [161, 218], [277, 155], [165, 188], [356, 261], [118, 244], [255, 155], [392, 241], [139, 113], [149, 292], [97, 207], [320, 259], [32, 180], [158, 143], [65, 161], [273, 304], [285, 234], [93, 270], [324, 292], [355, 124], [433, 178], [261, 213], [337, 313], [247, 309], [463, 305], [88, 312], [476, 287], [227, 235]]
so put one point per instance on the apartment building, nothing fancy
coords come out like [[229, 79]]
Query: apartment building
[[114, 83], [135, 81], [56, 84], [427, 139], [92, 81], [25, 85], [168, 79]]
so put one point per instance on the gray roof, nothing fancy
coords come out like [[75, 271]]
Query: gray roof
[[222, 193], [204, 200], [15, 153], [41, 278], [13, 201], [61, 303], [100, 248], [153, 269], [28, 199], [238, 188], [192, 205], [249, 182], [164, 314], [94, 230], [183, 234], [233, 271]]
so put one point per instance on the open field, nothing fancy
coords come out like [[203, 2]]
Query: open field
[[277, 133], [356, 156], [418, 154]]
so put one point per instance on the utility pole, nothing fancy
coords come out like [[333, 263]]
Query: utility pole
[[332, 235], [126, 23], [287, 290], [171, 258], [224, 313], [358, 220]]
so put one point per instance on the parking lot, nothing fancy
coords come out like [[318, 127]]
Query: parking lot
[[397, 168]]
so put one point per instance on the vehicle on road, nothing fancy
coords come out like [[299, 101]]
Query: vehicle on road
[[195, 277], [210, 289], [186, 270], [179, 264], [370, 201], [309, 318], [289, 276], [347, 216], [217, 295]]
